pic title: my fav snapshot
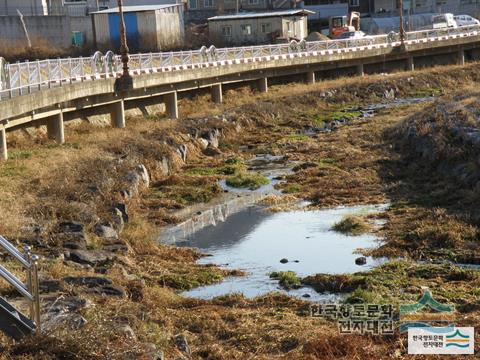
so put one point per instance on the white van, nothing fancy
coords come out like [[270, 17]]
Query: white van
[[465, 20], [444, 21]]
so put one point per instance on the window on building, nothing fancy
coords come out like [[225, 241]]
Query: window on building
[[192, 4], [252, 2], [289, 26], [266, 28], [208, 3], [227, 31], [246, 30], [354, 2]]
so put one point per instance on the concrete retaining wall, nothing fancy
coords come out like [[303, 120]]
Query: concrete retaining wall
[[56, 30]]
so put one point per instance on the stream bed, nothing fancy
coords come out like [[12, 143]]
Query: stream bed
[[255, 240]]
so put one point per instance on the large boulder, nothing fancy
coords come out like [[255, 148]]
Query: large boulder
[[90, 257]]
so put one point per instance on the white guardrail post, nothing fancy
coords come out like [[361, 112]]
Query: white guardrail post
[[103, 66]]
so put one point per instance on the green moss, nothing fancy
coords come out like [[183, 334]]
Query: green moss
[[426, 92], [287, 279], [23, 154], [202, 171], [191, 280], [327, 116], [187, 194], [351, 225], [234, 160], [295, 137], [360, 295], [247, 180], [292, 189]]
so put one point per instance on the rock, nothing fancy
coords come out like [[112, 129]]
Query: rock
[[133, 180], [306, 296], [123, 208], [62, 311], [88, 281], [144, 176], [127, 331], [91, 257], [116, 247], [211, 151], [152, 353], [212, 137], [70, 227], [389, 94], [118, 221], [108, 290], [182, 344], [78, 266], [50, 285], [105, 230], [182, 151], [362, 260], [203, 143], [96, 285], [72, 235], [284, 261], [164, 165], [77, 322]]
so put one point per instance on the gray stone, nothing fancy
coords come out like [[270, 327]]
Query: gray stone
[[70, 227], [118, 221], [88, 281], [164, 165], [78, 265], [182, 344], [73, 240], [91, 257], [105, 230], [182, 150], [284, 261], [144, 176], [123, 208], [362, 260], [50, 285], [127, 331], [152, 353], [203, 143]]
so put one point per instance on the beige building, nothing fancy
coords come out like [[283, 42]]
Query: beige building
[[258, 28]]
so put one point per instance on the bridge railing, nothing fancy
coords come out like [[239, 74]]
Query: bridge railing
[[23, 78]]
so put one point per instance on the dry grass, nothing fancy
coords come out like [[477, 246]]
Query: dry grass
[[45, 183]]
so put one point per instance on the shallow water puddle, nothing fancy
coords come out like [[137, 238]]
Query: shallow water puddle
[[255, 241]]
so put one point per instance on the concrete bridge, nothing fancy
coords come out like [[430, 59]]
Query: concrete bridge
[[51, 92]]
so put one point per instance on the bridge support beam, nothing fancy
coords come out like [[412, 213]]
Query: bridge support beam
[[55, 128], [171, 103], [360, 71], [117, 115], [3, 144], [461, 57], [311, 77], [217, 95], [410, 64], [263, 85]]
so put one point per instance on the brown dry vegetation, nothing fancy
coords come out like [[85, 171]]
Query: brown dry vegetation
[[358, 163]]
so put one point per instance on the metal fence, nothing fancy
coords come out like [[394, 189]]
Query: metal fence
[[30, 291], [23, 78]]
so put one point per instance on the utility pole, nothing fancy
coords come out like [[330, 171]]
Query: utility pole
[[124, 82], [402, 27]]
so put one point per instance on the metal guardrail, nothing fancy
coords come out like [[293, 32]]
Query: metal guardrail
[[30, 290], [23, 78]]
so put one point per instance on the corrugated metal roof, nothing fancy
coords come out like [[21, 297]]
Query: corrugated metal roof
[[254, 15], [137, 8]]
